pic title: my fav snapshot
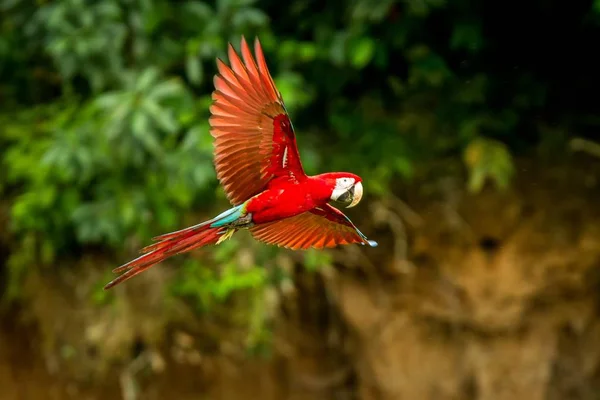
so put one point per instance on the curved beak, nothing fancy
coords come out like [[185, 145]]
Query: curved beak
[[357, 194]]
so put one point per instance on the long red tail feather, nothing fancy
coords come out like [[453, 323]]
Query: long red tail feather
[[168, 245]]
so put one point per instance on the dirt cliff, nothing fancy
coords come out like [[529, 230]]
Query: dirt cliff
[[491, 296]]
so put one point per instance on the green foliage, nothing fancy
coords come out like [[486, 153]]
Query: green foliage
[[488, 158], [210, 283], [207, 285], [126, 159], [83, 39], [316, 259], [18, 265]]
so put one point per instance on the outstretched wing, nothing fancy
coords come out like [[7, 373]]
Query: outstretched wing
[[254, 137], [321, 227]]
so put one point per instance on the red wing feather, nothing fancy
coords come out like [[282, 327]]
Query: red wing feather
[[321, 227], [254, 137]]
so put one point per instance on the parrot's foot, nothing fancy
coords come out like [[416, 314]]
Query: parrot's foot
[[244, 221], [228, 234]]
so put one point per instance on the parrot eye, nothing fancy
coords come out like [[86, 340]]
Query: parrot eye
[[344, 183]]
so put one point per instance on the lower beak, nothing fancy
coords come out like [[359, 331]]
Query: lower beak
[[358, 192]]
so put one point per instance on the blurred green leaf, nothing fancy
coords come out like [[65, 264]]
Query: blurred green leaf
[[487, 158], [467, 36], [194, 69], [362, 52], [316, 259]]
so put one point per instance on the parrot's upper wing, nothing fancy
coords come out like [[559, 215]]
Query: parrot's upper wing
[[254, 137], [321, 227]]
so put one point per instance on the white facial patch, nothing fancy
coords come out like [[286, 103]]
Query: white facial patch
[[341, 186]]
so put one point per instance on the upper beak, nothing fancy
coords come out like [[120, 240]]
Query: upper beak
[[358, 192]]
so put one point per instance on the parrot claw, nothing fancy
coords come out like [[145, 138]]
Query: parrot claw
[[228, 234]]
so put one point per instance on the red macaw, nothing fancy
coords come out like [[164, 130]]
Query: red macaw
[[257, 162]]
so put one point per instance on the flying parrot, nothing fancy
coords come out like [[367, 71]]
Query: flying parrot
[[258, 164]]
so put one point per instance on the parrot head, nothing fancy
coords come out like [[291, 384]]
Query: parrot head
[[347, 189]]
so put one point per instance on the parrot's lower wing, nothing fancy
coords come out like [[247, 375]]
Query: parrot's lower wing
[[321, 227]]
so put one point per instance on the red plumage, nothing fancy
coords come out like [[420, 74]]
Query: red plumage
[[258, 164]]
